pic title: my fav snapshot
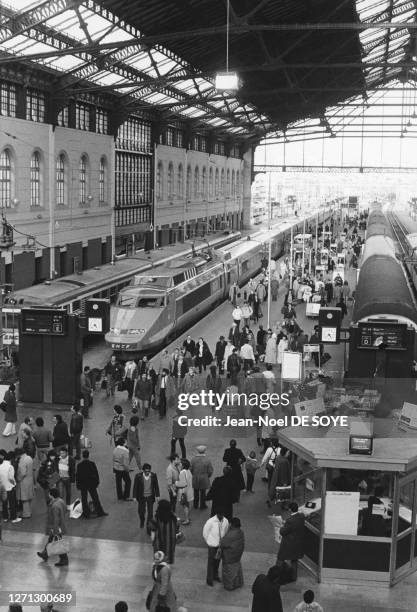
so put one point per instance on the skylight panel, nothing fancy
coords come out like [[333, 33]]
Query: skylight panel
[[64, 62]]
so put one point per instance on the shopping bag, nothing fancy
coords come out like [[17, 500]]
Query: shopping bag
[[58, 546], [76, 509], [85, 442], [277, 523]]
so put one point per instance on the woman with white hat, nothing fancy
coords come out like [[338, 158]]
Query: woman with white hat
[[162, 593]]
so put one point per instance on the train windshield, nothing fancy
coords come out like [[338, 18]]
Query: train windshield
[[141, 300], [157, 281]]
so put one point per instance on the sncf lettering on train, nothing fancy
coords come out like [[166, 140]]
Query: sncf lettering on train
[[118, 346]]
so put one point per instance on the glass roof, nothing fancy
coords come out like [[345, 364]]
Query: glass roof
[[111, 50]]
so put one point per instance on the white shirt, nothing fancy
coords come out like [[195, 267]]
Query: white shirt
[[7, 475], [214, 530], [237, 314], [246, 352], [270, 455]]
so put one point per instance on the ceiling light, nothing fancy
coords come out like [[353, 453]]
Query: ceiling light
[[226, 81]]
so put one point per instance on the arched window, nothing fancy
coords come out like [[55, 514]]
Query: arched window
[[188, 186], [204, 183], [233, 184], [216, 183], [228, 183], [83, 179], [170, 181], [197, 183], [222, 185], [211, 184], [61, 180], [160, 181], [6, 179], [180, 181], [102, 179], [35, 179]]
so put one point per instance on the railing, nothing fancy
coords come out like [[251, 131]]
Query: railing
[[131, 215]]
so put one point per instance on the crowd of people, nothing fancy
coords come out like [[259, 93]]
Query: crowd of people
[[58, 460]]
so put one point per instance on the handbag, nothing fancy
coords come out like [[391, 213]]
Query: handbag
[[104, 384], [121, 386], [57, 546], [3, 406], [148, 600], [183, 499], [76, 509]]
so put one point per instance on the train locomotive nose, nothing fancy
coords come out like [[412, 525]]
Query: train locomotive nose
[[138, 330]]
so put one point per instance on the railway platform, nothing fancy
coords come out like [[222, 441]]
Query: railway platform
[[97, 541]]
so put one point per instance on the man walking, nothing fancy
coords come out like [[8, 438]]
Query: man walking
[[87, 481], [214, 529], [121, 470], [86, 391], [202, 470], [8, 485], [76, 428], [55, 525], [146, 492], [173, 474], [178, 434]]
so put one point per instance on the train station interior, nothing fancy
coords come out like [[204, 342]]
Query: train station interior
[[208, 195]]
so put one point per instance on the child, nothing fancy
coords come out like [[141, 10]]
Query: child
[[251, 467], [308, 604]]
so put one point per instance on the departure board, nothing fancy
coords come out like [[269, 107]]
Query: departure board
[[390, 335], [44, 322]]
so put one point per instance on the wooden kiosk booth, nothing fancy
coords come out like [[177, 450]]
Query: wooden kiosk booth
[[360, 508]]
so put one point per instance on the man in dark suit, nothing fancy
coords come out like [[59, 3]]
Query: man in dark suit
[[292, 543], [266, 592], [219, 353], [223, 493], [146, 492], [87, 481]]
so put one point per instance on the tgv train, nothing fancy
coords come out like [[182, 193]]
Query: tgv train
[[158, 305], [384, 320]]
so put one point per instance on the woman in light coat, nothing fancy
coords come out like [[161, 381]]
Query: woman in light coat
[[282, 346], [24, 479], [185, 489], [271, 349], [10, 411], [162, 592]]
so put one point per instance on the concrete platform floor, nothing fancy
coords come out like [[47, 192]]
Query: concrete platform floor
[[111, 557]]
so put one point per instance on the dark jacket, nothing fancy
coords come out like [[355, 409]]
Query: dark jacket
[[266, 595], [235, 458], [292, 543], [224, 493], [87, 475], [138, 486], [60, 435], [10, 408], [76, 423], [220, 347], [189, 346]]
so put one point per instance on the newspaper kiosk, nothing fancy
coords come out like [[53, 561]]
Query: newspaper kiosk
[[360, 508]]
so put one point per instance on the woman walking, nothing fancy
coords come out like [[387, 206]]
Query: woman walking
[[232, 546], [9, 408], [162, 595], [164, 529], [185, 490]]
